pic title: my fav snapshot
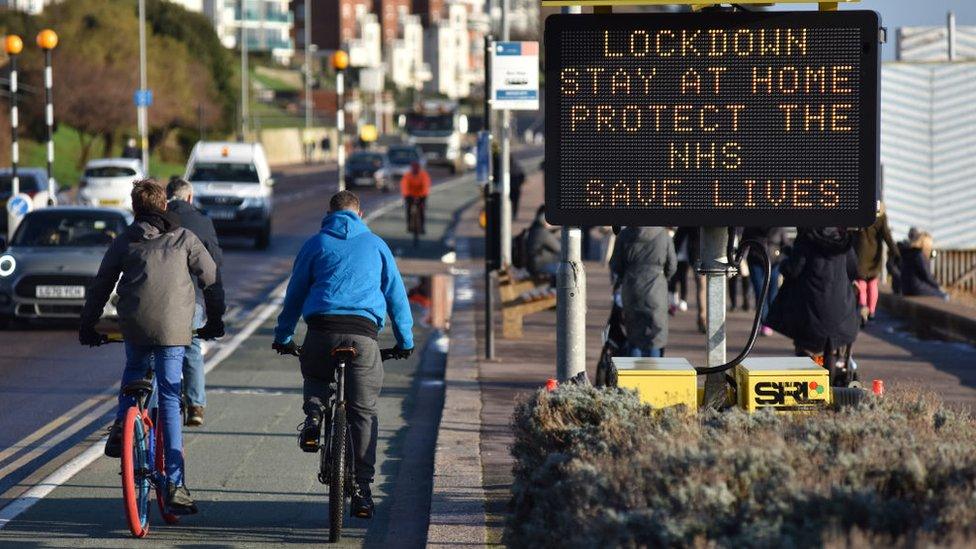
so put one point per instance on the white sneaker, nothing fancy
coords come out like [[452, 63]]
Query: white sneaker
[[683, 305]]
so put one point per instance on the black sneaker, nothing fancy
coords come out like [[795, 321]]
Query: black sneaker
[[113, 446], [178, 500], [194, 416], [309, 433], [362, 501]]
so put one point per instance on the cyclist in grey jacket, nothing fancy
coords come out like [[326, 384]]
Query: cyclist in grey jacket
[[156, 259]]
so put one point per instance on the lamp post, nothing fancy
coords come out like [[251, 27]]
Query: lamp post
[[142, 109], [47, 40], [13, 46], [340, 60], [244, 75]]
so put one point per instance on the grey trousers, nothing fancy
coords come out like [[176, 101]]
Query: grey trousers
[[364, 379]]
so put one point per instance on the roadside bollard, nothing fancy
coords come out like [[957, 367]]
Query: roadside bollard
[[551, 385], [877, 387]]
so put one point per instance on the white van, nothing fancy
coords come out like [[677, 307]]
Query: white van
[[232, 184]]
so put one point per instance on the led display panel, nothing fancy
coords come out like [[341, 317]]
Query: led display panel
[[712, 119]]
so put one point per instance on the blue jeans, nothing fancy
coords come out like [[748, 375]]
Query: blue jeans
[[649, 352], [167, 362], [193, 374], [757, 275]]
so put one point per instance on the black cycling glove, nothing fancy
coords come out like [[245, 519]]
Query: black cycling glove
[[88, 336], [285, 348]]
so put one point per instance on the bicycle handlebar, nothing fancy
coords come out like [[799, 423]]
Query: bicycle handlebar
[[385, 354]]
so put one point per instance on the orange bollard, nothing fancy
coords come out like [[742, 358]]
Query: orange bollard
[[551, 384], [877, 387]]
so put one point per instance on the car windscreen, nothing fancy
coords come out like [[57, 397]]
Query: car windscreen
[[430, 123], [403, 156], [62, 229], [366, 161], [224, 172], [110, 171], [29, 183]]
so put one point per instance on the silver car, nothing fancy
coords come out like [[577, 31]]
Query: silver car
[[46, 268]]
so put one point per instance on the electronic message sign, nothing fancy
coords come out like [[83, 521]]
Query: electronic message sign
[[712, 119]]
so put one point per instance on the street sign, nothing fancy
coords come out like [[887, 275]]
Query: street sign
[[515, 76], [483, 164], [19, 205], [712, 119], [143, 98]]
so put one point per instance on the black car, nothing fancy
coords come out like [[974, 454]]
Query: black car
[[367, 168]]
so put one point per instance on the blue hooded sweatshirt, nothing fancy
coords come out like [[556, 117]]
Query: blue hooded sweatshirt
[[346, 270]]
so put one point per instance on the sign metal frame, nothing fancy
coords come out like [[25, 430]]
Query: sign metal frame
[[869, 123]]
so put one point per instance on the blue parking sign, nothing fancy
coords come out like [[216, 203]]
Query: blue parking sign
[[143, 98], [19, 205]]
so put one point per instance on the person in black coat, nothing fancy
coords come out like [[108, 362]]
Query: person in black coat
[[180, 194], [817, 304], [916, 271]]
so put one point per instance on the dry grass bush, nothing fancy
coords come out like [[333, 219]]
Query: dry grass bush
[[596, 468]]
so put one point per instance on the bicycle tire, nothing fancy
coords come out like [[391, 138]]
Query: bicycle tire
[[168, 517], [135, 485], [337, 489]]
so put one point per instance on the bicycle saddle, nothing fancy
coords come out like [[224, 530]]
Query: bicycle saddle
[[137, 388], [345, 351]]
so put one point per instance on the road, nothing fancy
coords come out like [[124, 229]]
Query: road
[[56, 393]]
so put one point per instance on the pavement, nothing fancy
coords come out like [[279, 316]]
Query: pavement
[[474, 487]]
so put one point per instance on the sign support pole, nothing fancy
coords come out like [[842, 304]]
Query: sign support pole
[[570, 297], [505, 158], [12, 221], [489, 302], [714, 265]]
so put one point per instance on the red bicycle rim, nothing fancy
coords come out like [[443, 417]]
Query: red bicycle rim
[[129, 497]]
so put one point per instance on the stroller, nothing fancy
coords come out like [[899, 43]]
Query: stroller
[[614, 342]]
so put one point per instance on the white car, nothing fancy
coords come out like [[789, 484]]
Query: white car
[[107, 182]]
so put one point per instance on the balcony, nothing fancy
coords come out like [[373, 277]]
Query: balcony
[[268, 16]]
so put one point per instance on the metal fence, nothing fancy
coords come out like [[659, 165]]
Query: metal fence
[[956, 269]]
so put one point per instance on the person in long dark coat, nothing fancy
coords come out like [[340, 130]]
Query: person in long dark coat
[[817, 305], [643, 260]]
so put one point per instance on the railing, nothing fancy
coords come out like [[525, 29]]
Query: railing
[[956, 269]]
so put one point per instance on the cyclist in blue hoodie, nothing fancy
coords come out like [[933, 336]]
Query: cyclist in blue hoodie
[[344, 282]]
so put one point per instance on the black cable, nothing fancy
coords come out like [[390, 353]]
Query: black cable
[[757, 321]]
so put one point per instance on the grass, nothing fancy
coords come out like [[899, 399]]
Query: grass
[[67, 151], [596, 468], [271, 82]]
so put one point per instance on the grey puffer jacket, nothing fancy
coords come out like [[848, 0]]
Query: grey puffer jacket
[[643, 260], [157, 260]]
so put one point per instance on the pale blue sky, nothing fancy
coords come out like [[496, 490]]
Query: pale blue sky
[[908, 13]]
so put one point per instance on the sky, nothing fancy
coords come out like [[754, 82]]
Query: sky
[[908, 13]]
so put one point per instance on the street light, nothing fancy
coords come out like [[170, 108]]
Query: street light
[[13, 46], [47, 40], [340, 61]]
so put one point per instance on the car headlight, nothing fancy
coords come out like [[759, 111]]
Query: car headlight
[[7, 265], [252, 202]]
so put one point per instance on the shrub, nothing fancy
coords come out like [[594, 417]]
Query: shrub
[[596, 468]]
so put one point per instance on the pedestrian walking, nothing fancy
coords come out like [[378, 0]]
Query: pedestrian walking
[[643, 261], [817, 305], [774, 240], [180, 193], [687, 249], [916, 269], [516, 177], [869, 248]]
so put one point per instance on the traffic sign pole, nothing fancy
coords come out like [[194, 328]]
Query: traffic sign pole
[[506, 182], [13, 46], [489, 188], [142, 111], [570, 298]]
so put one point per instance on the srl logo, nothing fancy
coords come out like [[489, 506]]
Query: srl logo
[[774, 393]]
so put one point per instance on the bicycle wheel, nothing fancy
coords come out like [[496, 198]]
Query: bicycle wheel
[[337, 490], [135, 477], [170, 518]]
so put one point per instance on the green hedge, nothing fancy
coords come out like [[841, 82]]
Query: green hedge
[[596, 468]]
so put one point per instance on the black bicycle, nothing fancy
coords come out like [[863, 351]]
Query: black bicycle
[[414, 219], [336, 457]]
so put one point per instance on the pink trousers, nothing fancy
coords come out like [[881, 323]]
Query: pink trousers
[[867, 293]]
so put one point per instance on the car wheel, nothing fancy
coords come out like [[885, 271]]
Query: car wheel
[[263, 238]]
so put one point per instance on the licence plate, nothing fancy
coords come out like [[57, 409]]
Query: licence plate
[[60, 292], [110, 202], [222, 214]]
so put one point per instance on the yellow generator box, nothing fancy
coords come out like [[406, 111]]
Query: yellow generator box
[[782, 383], [660, 382]]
